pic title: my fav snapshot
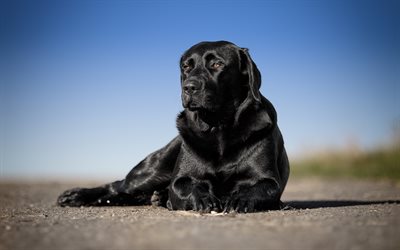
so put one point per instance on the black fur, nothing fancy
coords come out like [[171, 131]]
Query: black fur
[[229, 154]]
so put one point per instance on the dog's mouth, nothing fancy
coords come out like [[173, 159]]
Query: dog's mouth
[[192, 104], [199, 103], [194, 107]]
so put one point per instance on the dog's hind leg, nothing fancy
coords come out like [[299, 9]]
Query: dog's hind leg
[[152, 174]]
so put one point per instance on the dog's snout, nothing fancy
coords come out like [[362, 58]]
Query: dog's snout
[[191, 87]]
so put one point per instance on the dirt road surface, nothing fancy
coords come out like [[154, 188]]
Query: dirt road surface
[[326, 214]]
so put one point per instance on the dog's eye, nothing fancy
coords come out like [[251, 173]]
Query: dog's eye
[[186, 67], [217, 65]]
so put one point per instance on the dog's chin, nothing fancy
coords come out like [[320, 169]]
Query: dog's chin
[[194, 108], [200, 109]]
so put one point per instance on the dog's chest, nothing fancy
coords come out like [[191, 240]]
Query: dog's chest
[[219, 141]]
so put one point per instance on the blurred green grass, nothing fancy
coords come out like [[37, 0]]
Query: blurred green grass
[[382, 163]]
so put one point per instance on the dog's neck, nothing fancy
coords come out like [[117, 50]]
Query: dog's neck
[[213, 119], [221, 118], [214, 132]]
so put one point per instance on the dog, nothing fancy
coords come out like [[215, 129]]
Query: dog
[[229, 155]]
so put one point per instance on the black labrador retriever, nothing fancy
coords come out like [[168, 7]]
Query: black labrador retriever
[[229, 154]]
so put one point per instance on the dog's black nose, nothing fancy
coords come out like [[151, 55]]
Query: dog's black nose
[[190, 88]]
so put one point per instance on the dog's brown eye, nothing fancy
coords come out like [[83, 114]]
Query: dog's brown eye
[[185, 67], [216, 65]]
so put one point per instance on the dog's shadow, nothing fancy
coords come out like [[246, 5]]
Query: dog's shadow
[[312, 204]]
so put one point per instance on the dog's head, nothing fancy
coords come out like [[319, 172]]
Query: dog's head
[[218, 76]]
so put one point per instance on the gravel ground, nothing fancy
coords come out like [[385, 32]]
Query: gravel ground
[[326, 214]]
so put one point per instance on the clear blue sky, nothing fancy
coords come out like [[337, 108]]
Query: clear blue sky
[[89, 88]]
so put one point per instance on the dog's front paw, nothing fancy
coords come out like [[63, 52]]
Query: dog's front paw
[[205, 203], [240, 203], [250, 203], [190, 194], [264, 195]]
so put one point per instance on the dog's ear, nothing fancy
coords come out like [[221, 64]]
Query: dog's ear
[[249, 68]]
